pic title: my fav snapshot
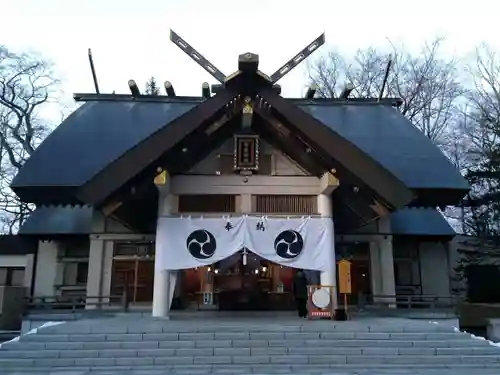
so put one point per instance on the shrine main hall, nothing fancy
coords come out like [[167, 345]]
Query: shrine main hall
[[214, 201]]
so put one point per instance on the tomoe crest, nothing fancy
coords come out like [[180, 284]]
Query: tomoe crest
[[201, 244], [288, 244]]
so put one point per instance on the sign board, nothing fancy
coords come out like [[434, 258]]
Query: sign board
[[344, 277], [320, 303]]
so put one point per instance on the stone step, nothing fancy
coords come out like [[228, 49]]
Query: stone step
[[362, 344], [126, 344], [102, 327], [263, 369], [244, 347], [252, 344], [267, 336], [360, 360], [307, 351]]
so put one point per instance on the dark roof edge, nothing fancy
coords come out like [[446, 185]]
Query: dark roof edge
[[84, 97], [12, 244]]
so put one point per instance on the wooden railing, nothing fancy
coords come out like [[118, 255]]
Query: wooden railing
[[75, 303], [421, 302]]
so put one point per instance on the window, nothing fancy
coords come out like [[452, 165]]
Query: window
[[82, 272], [407, 273], [134, 249], [75, 273], [74, 249], [286, 204], [403, 273], [3, 276], [11, 276]]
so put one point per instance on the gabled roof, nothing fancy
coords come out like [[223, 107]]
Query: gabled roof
[[102, 132], [388, 137], [93, 136]]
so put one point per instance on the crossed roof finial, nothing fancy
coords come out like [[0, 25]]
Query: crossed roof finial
[[247, 62]]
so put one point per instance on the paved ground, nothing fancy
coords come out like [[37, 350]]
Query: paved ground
[[362, 372]]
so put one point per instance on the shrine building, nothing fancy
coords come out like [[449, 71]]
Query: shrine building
[[213, 201]]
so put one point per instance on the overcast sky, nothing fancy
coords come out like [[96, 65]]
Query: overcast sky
[[130, 39]]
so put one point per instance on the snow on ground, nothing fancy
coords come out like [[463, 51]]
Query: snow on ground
[[34, 330], [456, 329]]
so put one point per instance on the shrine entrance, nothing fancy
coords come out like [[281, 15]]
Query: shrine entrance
[[245, 282]]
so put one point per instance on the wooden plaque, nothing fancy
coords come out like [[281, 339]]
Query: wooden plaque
[[246, 152], [345, 277]]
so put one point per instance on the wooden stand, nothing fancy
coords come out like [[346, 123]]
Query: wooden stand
[[345, 283]]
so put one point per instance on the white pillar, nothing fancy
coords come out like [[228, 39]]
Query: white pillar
[[46, 269], [386, 259], [107, 269], [164, 281], [161, 288], [94, 276], [375, 269], [325, 209], [28, 272]]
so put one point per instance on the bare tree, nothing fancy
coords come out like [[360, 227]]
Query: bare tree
[[428, 84], [481, 133], [27, 84]]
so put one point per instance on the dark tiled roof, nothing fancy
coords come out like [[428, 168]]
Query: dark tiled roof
[[58, 220], [16, 245], [389, 138], [93, 136], [420, 222], [414, 222], [100, 132], [78, 220]]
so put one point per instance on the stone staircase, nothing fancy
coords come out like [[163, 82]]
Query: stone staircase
[[241, 346]]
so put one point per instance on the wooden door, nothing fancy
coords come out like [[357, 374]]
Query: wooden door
[[123, 277], [360, 279], [145, 280]]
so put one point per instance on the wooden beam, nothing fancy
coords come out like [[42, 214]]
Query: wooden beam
[[111, 207], [256, 184], [379, 208], [133, 88], [311, 91], [287, 144], [142, 158], [169, 89], [205, 90], [328, 183], [349, 160]]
